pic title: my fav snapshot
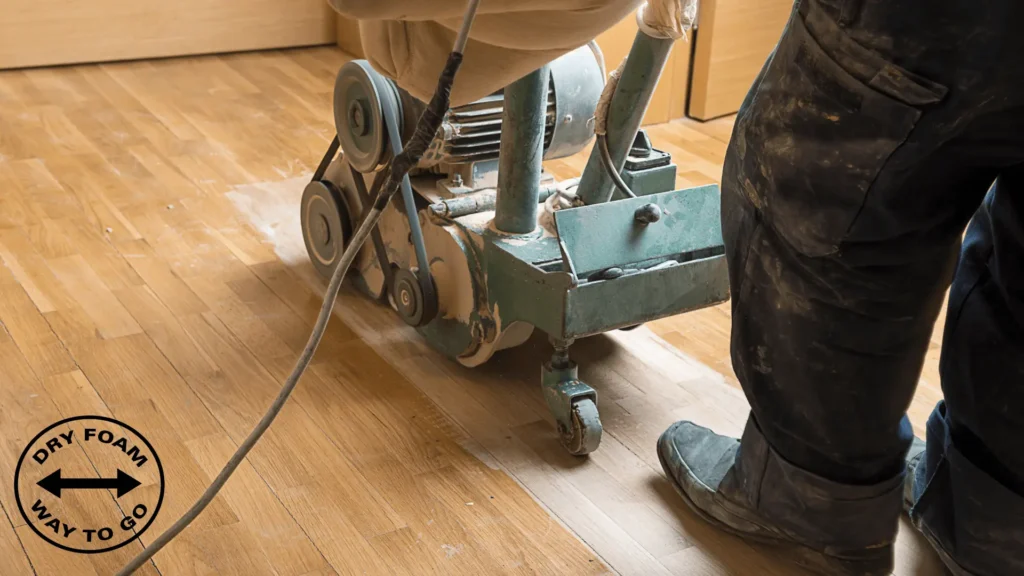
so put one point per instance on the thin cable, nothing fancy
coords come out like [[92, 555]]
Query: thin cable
[[606, 161], [300, 367], [467, 23], [599, 56], [426, 128]]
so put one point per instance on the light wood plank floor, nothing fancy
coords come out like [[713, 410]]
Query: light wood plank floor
[[153, 271]]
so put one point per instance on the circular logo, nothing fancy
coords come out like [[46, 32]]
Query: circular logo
[[89, 484]]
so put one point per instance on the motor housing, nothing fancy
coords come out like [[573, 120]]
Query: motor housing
[[470, 133]]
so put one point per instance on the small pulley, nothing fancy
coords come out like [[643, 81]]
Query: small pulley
[[326, 224], [360, 92], [415, 297]]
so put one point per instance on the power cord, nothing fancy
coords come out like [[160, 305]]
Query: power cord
[[426, 128], [606, 161]]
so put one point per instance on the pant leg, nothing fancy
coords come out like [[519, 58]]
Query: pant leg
[[848, 181], [971, 489]]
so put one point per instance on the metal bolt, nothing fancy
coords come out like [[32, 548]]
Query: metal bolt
[[560, 359], [609, 274], [358, 120]]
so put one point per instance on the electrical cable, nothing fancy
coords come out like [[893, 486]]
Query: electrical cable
[[426, 128], [606, 161], [599, 56], [467, 21], [300, 367]]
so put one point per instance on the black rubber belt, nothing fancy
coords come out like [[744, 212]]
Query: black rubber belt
[[378, 240], [326, 162]]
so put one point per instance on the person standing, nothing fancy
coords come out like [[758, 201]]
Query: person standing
[[874, 134]]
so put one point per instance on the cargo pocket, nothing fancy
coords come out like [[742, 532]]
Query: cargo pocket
[[825, 119]]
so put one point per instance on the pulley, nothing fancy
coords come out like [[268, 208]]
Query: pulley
[[415, 297], [359, 94], [326, 224]]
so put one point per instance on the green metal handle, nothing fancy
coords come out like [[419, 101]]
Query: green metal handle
[[628, 105]]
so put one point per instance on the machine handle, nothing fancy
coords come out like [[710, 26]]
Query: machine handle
[[667, 18], [630, 87]]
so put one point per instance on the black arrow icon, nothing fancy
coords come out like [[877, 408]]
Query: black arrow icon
[[54, 483]]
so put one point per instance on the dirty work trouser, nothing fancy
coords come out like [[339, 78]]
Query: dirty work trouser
[[873, 135]]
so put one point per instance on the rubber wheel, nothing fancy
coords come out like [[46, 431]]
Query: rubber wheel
[[326, 225], [585, 435]]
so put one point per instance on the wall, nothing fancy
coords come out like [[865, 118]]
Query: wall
[[47, 32], [733, 40]]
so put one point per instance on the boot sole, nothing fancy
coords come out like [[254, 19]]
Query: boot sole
[[802, 555]]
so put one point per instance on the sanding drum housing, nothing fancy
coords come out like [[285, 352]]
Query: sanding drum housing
[[408, 40]]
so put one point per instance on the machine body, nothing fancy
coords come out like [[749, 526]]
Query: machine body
[[482, 247]]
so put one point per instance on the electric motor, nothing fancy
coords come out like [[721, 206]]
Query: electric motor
[[469, 133]]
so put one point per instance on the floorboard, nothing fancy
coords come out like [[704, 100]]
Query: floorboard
[[153, 271]]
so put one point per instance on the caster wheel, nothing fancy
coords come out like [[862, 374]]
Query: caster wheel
[[326, 225], [414, 298], [585, 435]]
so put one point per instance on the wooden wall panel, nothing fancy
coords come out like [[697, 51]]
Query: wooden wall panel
[[669, 98], [46, 32], [733, 40], [677, 72], [348, 37]]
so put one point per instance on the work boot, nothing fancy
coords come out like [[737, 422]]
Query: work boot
[[746, 489]]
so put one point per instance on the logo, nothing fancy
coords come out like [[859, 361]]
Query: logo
[[89, 484]]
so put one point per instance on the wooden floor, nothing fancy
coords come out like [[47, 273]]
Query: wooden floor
[[153, 271]]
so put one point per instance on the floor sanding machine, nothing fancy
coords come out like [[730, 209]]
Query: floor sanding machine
[[447, 215], [482, 247]]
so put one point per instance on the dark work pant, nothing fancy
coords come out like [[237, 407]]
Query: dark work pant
[[875, 133]]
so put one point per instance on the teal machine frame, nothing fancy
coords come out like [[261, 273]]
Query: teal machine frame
[[608, 261]]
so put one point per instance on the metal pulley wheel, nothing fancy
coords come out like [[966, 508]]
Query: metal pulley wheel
[[415, 298], [360, 92], [326, 225]]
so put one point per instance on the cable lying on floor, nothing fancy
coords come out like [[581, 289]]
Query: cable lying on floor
[[426, 128]]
